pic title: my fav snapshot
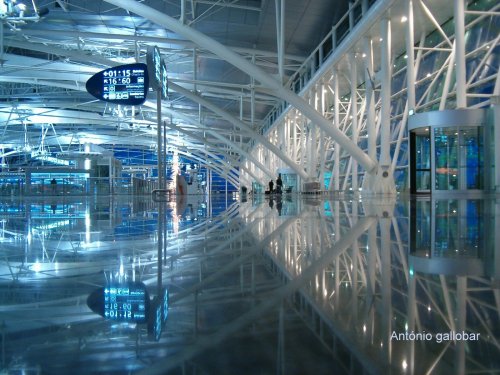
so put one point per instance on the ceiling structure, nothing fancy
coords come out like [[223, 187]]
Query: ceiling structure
[[51, 48]]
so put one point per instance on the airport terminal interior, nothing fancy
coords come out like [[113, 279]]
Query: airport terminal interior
[[249, 187]]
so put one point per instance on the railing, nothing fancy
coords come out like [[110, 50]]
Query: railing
[[318, 57], [77, 187]]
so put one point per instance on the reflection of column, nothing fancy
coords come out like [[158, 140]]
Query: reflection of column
[[280, 366], [386, 287], [412, 315], [372, 266], [461, 318], [495, 100], [496, 240], [161, 229], [354, 268]]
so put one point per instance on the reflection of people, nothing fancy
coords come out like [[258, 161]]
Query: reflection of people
[[271, 185], [279, 205], [53, 183], [271, 203], [279, 184]]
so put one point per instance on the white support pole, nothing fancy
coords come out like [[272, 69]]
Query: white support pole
[[280, 32], [183, 11], [354, 116], [351, 15], [336, 119], [312, 172], [370, 98], [459, 8], [410, 61], [252, 97], [385, 110], [370, 106], [447, 80], [383, 182], [322, 140]]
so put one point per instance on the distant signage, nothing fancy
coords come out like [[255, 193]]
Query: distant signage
[[125, 84], [125, 302], [154, 65]]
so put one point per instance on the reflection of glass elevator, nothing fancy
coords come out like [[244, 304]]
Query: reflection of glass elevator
[[448, 153], [452, 236]]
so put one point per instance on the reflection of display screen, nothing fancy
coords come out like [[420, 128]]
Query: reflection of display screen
[[165, 305], [125, 302], [124, 84], [159, 313]]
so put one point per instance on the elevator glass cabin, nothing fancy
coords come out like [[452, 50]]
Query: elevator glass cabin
[[449, 152]]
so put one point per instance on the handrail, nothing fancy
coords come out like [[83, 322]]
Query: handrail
[[314, 61]]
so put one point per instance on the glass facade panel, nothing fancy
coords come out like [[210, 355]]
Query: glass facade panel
[[471, 161], [423, 162], [446, 154], [459, 158]]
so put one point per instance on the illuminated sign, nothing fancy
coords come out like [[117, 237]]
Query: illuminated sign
[[154, 65], [164, 80], [125, 302], [124, 84]]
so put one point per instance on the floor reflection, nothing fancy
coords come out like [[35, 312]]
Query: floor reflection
[[278, 284]]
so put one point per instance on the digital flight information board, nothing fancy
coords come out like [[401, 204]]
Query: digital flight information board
[[125, 302], [124, 84]]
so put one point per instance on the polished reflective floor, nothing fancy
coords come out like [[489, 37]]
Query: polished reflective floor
[[290, 284]]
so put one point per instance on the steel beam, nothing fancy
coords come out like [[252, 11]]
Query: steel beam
[[265, 79]]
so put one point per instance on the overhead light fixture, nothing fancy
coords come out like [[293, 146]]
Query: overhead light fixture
[[404, 19]]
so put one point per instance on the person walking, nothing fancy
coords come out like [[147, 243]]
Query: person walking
[[271, 185]]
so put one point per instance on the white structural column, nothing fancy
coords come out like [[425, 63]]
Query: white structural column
[[370, 107], [384, 180], [354, 116], [459, 8], [280, 32], [336, 123], [410, 61], [322, 138]]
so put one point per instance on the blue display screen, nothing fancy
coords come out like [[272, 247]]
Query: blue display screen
[[153, 58], [125, 302], [164, 80], [124, 84]]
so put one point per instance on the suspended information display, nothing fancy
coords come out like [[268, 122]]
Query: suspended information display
[[125, 302], [125, 84]]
